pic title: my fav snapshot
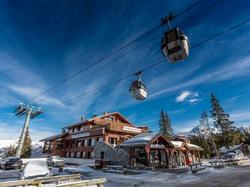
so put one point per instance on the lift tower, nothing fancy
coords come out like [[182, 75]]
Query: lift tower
[[30, 112]]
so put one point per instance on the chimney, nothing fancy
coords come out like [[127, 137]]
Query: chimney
[[82, 118]]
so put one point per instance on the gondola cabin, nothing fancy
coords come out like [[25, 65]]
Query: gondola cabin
[[175, 45], [138, 90]]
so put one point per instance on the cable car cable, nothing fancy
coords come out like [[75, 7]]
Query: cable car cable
[[112, 53], [155, 37], [117, 50], [221, 33], [161, 61], [123, 55]]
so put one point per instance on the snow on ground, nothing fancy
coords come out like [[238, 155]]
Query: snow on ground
[[228, 176], [207, 177]]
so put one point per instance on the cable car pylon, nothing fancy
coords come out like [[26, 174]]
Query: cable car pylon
[[175, 44], [30, 112]]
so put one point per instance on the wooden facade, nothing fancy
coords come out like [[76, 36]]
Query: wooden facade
[[77, 140], [152, 149]]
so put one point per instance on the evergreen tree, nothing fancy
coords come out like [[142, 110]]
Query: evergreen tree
[[221, 121], [165, 125], [10, 151], [209, 134], [202, 142], [27, 146]]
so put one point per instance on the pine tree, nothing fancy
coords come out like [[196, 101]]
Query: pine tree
[[10, 151], [209, 135], [165, 125], [27, 146], [221, 121], [202, 142]]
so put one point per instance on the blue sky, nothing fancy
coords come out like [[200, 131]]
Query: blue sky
[[43, 42]]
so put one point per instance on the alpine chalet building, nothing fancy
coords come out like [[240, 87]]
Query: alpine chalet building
[[78, 140]]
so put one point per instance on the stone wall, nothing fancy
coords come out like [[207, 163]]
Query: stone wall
[[116, 156], [79, 161]]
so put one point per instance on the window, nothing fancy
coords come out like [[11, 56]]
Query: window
[[112, 141], [102, 155], [88, 154], [86, 142], [72, 144], [67, 154], [100, 139], [72, 154], [79, 143], [97, 139], [89, 142], [79, 128], [83, 155], [93, 142], [78, 154], [83, 141]]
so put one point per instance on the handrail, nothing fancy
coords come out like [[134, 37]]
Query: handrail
[[93, 182], [38, 181]]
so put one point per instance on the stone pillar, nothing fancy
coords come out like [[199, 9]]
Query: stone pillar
[[199, 156], [147, 149], [167, 157]]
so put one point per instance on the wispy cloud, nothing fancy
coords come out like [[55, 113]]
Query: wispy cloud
[[183, 96], [188, 96], [30, 92], [230, 70], [37, 132], [240, 117]]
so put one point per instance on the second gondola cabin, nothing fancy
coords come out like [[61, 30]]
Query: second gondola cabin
[[138, 90], [175, 45]]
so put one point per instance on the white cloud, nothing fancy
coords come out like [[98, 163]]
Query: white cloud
[[188, 96], [194, 100], [183, 96]]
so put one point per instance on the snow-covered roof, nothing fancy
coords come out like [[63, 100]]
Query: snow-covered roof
[[232, 148], [139, 140], [177, 143], [101, 116], [194, 147], [54, 137]]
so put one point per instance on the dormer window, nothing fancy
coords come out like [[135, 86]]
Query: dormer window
[[109, 118]]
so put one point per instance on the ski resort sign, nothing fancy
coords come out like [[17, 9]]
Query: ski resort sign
[[131, 129], [81, 135]]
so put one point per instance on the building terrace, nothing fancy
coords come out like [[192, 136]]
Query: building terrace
[[77, 140]]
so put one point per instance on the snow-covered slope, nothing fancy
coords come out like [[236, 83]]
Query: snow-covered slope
[[37, 147], [6, 143], [200, 130]]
